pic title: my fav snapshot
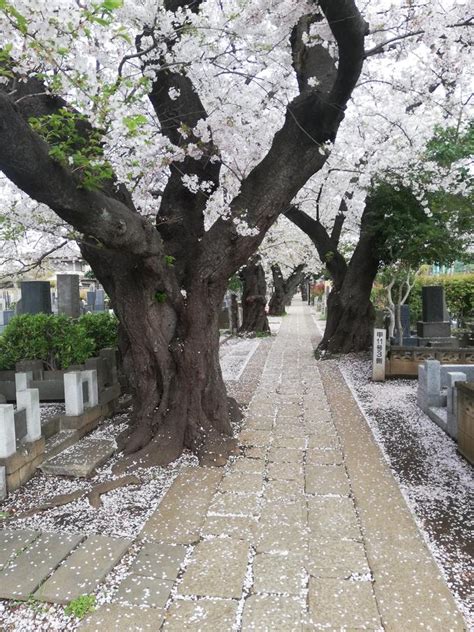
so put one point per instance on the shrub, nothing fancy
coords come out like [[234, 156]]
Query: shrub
[[57, 340], [102, 328]]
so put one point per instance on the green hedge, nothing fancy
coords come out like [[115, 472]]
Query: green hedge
[[459, 292], [57, 340]]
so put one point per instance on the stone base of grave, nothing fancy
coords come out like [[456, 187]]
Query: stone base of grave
[[21, 466], [433, 329], [63, 431], [80, 460]]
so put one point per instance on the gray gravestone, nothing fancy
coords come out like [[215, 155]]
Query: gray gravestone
[[35, 297], [435, 323], [68, 295], [91, 300], [99, 301], [434, 307]]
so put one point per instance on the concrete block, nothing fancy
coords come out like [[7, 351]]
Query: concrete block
[[90, 377], [7, 431], [29, 400], [84, 569], [73, 396], [81, 459], [3, 483], [13, 541], [20, 580], [23, 380]]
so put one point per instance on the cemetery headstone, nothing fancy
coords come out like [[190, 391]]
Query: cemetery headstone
[[35, 297], [68, 295], [91, 298], [435, 323], [99, 301]]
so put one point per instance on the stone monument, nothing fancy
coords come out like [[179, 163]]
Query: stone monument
[[35, 297], [68, 295]]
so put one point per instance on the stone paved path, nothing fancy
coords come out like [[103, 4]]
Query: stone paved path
[[306, 531]]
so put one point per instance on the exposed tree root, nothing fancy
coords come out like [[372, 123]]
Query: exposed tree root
[[93, 496]]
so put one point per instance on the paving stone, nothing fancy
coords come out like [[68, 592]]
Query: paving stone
[[235, 504], [217, 569], [248, 465], [159, 560], [337, 558], [259, 423], [238, 527], [277, 491], [269, 613], [201, 615], [333, 518], [324, 438], [116, 618], [136, 590], [285, 471], [257, 438], [285, 455], [278, 574], [324, 457], [84, 569], [238, 483], [256, 453], [181, 513], [289, 442], [327, 479], [292, 430], [81, 459], [283, 529], [339, 603], [21, 578], [12, 542]]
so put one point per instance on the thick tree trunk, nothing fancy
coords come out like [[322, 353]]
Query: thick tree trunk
[[350, 313], [283, 290], [304, 291], [171, 357], [254, 299]]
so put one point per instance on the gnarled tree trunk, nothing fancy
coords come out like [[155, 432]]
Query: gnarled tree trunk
[[350, 313], [254, 298], [283, 289], [167, 281]]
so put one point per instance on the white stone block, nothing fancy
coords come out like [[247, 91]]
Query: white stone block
[[3, 482], [73, 397], [90, 376], [452, 378], [22, 380], [378, 355], [433, 377], [7, 431], [29, 399]]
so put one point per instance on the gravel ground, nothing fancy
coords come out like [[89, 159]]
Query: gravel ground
[[124, 511]]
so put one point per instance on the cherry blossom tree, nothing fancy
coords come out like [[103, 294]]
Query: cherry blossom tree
[[138, 125]]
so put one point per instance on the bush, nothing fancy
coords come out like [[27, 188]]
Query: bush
[[57, 340], [459, 292], [102, 328]]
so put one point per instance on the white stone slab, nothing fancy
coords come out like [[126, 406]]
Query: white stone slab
[[73, 396], [29, 399], [7, 431]]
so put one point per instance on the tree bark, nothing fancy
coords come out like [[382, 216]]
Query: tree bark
[[254, 298], [167, 282], [350, 313], [171, 355], [283, 289]]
